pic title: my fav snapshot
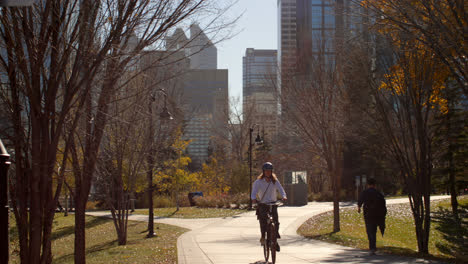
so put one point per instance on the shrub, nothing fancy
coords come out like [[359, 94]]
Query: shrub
[[205, 201], [183, 200], [94, 205], [240, 200], [161, 201], [214, 201], [326, 196]]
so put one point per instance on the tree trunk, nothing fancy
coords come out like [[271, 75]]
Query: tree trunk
[[80, 238], [421, 213], [452, 179], [336, 201], [46, 240]]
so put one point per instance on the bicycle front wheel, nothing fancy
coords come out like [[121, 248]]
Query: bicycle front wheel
[[272, 237], [266, 249]]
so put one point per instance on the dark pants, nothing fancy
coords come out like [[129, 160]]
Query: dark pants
[[371, 229], [262, 217]]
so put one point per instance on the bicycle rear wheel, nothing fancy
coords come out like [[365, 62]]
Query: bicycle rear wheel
[[272, 239]]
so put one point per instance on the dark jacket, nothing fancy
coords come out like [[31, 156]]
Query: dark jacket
[[375, 208]]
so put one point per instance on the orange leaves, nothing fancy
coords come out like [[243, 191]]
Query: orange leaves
[[417, 75]]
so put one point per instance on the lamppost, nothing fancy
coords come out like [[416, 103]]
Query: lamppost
[[164, 115], [4, 238], [258, 140]]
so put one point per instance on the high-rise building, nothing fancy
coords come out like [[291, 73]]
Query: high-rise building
[[207, 95], [205, 90], [287, 35], [321, 30], [203, 53], [307, 28], [199, 48], [260, 89]]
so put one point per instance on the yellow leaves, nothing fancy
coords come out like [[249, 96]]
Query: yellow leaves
[[175, 175], [394, 81], [437, 99], [213, 178], [418, 76]]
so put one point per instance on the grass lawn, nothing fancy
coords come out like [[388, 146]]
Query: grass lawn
[[191, 212], [101, 242], [399, 236]]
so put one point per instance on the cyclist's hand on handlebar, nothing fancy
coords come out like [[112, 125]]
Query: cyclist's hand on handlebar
[[284, 199]]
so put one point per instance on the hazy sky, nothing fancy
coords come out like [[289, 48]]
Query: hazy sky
[[258, 27]]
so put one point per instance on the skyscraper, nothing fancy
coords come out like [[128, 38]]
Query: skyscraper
[[205, 90], [203, 53], [308, 28], [287, 36], [260, 89]]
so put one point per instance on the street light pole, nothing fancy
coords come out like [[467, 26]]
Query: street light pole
[[4, 237], [164, 115], [258, 140], [250, 167], [150, 170]]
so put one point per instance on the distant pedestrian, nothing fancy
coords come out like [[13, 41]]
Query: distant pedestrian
[[375, 211]]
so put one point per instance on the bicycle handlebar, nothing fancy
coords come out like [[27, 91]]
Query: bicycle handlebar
[[278, 203]]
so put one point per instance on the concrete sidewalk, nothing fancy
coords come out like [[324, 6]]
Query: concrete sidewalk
[[234, 240]]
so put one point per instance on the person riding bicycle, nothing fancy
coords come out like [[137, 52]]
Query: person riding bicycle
[[266, 187]]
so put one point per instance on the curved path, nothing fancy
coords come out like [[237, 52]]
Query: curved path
[[234, 240]]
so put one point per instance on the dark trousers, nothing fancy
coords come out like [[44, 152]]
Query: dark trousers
[[371, 229], [262, 217]]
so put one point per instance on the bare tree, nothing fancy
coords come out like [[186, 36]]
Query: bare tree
[[50, 59], [120, 172], [313, 101], [53, 53]]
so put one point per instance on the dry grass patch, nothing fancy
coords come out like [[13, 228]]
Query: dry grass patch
[[399, 235], [101, 242]]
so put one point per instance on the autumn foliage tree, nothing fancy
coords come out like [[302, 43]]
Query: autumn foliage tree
[[213, 178], [405, 100], [439, 26], [426, 54], [174, 175]]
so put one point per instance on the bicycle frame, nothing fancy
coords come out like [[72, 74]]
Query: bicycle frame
[[271, 239]]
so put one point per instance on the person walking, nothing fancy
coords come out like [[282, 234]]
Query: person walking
[[375, 211], [264, 190]]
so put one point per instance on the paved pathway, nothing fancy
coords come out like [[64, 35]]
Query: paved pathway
[[234, 240]]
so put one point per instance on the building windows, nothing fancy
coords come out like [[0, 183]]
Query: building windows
[[316, 15]]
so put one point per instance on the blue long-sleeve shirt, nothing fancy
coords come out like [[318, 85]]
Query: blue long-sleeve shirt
[[261, 189]]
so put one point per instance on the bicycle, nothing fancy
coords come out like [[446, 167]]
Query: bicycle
[[271, 238]]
